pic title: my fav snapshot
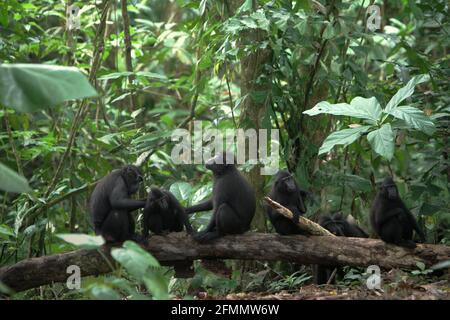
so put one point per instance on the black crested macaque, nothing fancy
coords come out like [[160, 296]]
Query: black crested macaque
[[111, 204], [286, 192], [390, 218], [341, 227], [163, 214], [233, 200]]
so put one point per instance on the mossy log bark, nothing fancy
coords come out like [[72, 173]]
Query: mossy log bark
[[323, 250]]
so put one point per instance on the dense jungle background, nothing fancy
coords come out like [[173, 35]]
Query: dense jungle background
[[352, 106]]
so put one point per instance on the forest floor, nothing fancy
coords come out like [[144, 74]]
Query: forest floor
[[396, 285], [404, 291]]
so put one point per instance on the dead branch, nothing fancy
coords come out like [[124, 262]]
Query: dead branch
[[305, 224]]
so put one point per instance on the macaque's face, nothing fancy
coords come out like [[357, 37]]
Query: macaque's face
[[388, 189], [133, 177], [285, 182], [220, 163]]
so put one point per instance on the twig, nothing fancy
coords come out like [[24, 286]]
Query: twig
[[333, 274]]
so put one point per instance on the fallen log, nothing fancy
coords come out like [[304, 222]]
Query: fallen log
[[34, 272]]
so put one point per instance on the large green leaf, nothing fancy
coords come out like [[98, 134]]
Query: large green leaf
[[102, 292], [382, 141], [12, 182], [369, 107], [31, 87], [363, 108], [201, 194], [344, 137], [339, 109], [82, 240], [157, 284], [414, 118], [136, 260], [405, 92], [181, 190], [144, 267]]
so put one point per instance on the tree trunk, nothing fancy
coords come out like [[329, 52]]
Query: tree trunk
[[323, 250], [254, 81]]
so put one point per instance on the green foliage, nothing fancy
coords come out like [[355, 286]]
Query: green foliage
[[138, 263], [354, 276], [359, 107], [422, 270], [381, 136], [290, 282], [31, 87], [83, 240], [345, 137], [382, 141], [404, 92], [322, 62], [214, 285], [414, 118], [181, 190], [10, 181], [6, 231], [142, 266]]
